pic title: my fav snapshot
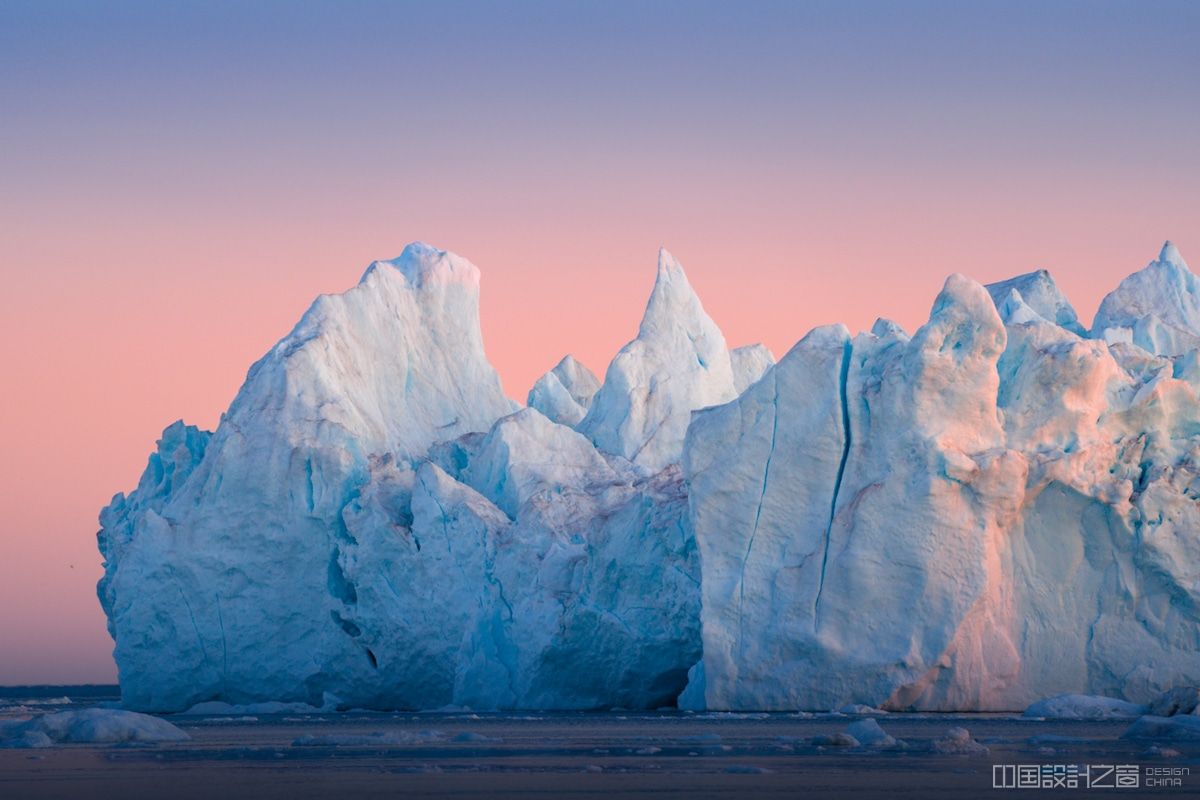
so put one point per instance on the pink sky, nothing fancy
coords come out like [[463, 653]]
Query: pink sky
[[131, 322], [177, 186]]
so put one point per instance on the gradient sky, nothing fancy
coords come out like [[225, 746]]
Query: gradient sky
[[178, 181]]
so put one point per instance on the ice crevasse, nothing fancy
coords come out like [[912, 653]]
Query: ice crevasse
[[998, 508]]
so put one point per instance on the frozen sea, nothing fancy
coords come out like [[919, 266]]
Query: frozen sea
[[665, 754]]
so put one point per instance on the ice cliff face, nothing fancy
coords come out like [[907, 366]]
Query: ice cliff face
[[241, 547], [841, 508], [993, 510], [512, 570], [749, 363]]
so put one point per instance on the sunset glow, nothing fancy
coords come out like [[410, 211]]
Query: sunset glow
[[176, 189]]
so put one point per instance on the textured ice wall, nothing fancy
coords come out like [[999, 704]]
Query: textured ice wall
[[974, 518], [316, 548]]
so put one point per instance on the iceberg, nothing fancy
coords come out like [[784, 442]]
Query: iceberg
[[1082, 706], [998, 508], [88, 726], [374, 524], [1179, 728]]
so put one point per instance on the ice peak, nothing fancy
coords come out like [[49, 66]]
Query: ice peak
[[580, 381], [568, 363], [964, 319], [1037, 292], [959, 291], [672, 301], [678, 363], [886, 327], [1170, 255], [668, 265], [423, 265], [1157, 308]]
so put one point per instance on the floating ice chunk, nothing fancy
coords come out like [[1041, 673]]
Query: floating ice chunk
[[1156, 751], [25, 740], [1180, 700], [1185, 727], [869, 734], [958, 741], [91, 726], [46, 701], [1084, 706]]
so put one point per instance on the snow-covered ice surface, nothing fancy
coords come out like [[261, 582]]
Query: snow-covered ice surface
[[994, 510]]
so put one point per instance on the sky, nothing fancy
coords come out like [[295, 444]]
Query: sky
[[179, 180]]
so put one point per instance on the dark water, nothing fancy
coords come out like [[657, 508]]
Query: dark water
[[571, 755], [87, 693]]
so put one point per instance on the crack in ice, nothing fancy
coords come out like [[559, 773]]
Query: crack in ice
[[848, 349], [758, 513]]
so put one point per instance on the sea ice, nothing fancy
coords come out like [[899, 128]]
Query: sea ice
[[1082, 706], [89, 726]]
